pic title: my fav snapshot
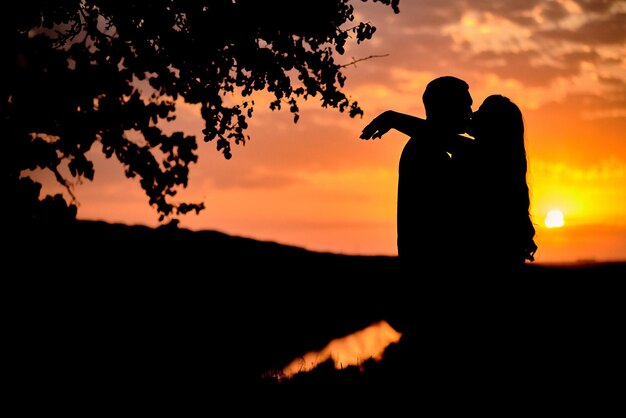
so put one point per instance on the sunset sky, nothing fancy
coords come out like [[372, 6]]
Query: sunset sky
[[315, 184]]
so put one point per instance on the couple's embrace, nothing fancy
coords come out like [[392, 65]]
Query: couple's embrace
[[463, 203], [463, 213]]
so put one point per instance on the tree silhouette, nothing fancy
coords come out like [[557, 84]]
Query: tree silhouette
[[83, 72]]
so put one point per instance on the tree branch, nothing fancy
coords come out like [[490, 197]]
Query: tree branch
[[354, 61]]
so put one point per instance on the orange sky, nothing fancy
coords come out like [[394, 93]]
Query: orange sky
[[315, 184]]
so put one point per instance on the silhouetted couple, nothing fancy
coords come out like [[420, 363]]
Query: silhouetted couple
[[463, 203]]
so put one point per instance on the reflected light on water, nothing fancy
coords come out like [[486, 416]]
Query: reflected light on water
[[353, 349]]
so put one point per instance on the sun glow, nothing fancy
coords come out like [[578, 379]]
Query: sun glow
[[554, 219]]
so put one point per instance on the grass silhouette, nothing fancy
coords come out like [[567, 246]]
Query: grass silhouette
[[131, 306]]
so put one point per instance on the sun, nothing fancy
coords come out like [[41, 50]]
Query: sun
[[554, 219]]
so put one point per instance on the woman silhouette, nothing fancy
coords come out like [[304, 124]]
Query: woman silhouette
[[495, 165]]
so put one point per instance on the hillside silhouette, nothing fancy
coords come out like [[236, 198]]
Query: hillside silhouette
[[113, 304]]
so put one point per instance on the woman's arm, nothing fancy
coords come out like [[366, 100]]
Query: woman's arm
[[413, 127], [383, 123]]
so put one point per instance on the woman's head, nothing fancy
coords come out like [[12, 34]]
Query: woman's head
[[498, 122]]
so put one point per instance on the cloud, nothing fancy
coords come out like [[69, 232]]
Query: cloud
[[608, 169], [429, 13], [615, 113], [597, 6], [254, 178], [574, 58], [524, 66], [506, 7], [522, 12], [537, 43], [606, 29], [612, 97]]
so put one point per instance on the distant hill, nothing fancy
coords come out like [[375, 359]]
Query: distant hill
[[111, 302]]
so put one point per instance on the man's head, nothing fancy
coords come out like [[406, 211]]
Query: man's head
[[448, 103]]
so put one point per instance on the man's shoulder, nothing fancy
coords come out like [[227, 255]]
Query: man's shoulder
[[418, 143], [422, 148]]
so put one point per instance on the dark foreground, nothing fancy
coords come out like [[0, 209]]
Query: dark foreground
[[94, 306]]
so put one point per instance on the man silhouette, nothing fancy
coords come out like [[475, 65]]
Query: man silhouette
[[430, 236], [428, 220]]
